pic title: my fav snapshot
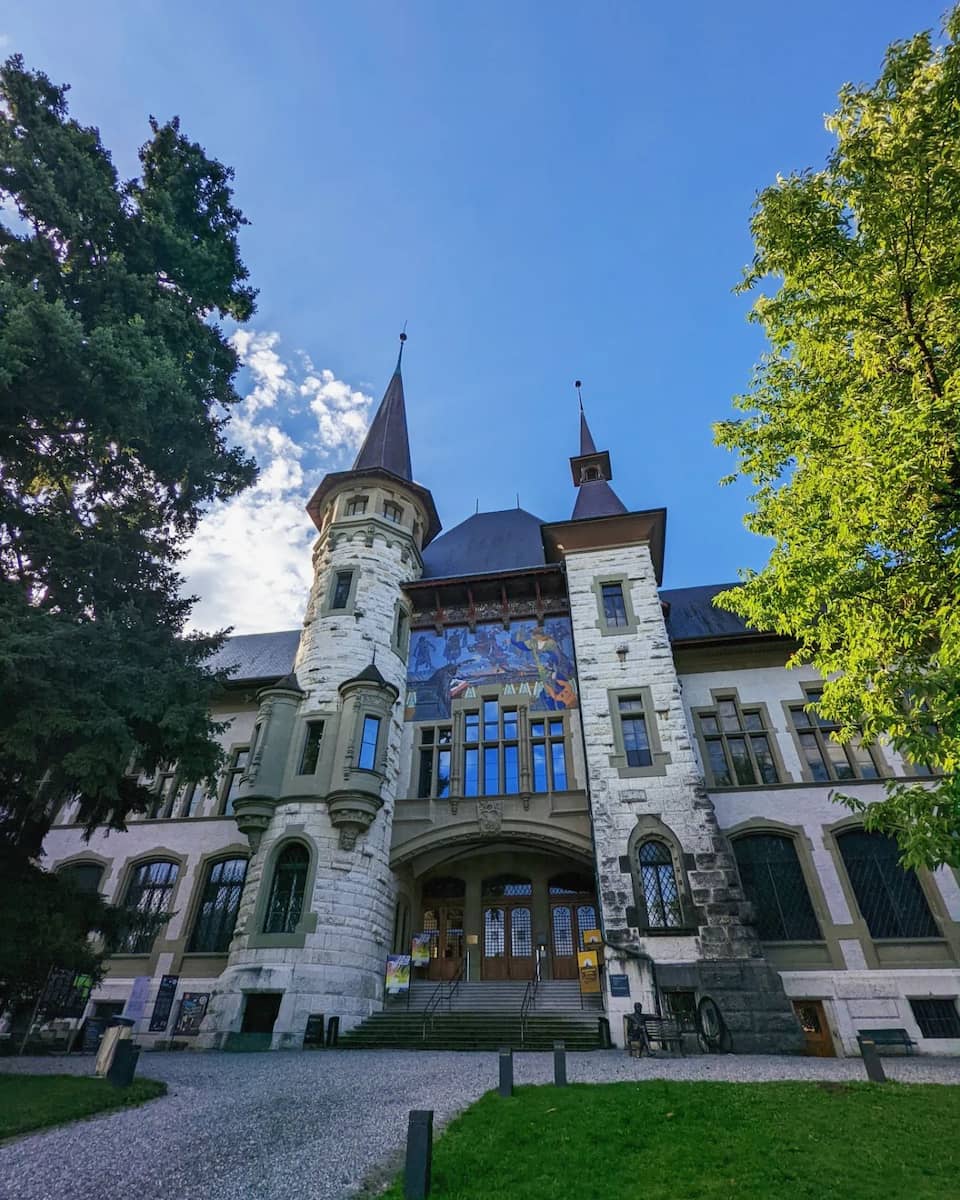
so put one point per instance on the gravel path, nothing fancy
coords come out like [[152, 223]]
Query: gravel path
[[311, 1126]]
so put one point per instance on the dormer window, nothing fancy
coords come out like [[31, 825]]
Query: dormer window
[[591, 474], [393, 512]]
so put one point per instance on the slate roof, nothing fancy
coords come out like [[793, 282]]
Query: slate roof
[[509, 540], [596, 498], [692, 615], [257, 655], [387, 444]]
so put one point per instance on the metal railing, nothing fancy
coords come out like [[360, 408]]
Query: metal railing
[[529, 1000], [445, 990]]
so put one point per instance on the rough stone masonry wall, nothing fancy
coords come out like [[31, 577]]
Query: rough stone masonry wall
[[723, 956]]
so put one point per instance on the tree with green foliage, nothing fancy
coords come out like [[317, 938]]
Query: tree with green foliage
[[852, 425], [116, 385]]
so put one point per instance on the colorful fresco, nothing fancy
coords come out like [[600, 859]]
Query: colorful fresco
[[526, 660]]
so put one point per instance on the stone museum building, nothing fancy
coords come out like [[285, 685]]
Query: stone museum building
[[505, 736]]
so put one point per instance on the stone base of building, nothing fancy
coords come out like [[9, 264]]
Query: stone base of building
[[755, 1009], [246, 996]]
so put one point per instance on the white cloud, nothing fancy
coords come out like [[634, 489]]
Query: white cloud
[[249, 561]]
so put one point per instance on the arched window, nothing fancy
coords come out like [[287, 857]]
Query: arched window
[[773, 882], [217, 915], [658, 882], [82, 876], [890, 898], [148, 894], [286, 893]]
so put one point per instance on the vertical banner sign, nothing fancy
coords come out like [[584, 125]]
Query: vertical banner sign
[[420, 947], [398, 974], [193, 1008], [163, 1004], [137, 1000], [589, 972]]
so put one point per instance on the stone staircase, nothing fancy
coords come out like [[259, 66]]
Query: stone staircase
[[484, 1016]]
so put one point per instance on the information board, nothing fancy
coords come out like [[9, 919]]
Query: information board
[[163, 1005]]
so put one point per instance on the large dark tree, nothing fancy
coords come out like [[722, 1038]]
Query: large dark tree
[[116, 384]]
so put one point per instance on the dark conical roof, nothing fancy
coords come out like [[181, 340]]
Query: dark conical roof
[[387, 446], [289, 683], [596, 498], [586, 437]]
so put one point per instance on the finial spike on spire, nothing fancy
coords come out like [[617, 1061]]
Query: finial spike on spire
[[578, 385], [403, 338]]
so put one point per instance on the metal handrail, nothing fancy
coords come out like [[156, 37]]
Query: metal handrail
[[438, 995], [529, 1000]]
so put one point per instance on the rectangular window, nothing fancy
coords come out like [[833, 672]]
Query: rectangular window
[[824, 758], [341, 589], [548, 756], [471, 771], [393, 512], [614, 608], [433, 771], [191, 800], [937, 1018], [737, 745], [165, 794], [367, 759], [633, 724], [311, 748], [357, 506], [235, 772], [400, 631]]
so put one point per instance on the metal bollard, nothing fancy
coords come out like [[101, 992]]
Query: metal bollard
[[604, 1025], [416, 1171], [871, 1060], [124, 1065], [333, 1031], [560, 1064], [506, 1072]]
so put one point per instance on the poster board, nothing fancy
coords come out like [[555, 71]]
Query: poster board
[[193, 1008], [420, 949], [398, 974], [589, 963], [163, 1005], [136, 1004]]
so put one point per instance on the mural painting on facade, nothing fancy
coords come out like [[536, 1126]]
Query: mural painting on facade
[[525, 660]]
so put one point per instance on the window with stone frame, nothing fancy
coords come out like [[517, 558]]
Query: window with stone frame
[[236, 768], [369, 740], [148, 895], [824, 758], [285, 903], [614, 605], [774, 883], [192, 797], [491, 750], [393, 512], [219, 904], [658, 885], [434, 761], [164, 795], [633, 728], [310, 755], [340, 596], [890, 897], [548, 754], [84, 877], [737, 744], [356, 506], [937, 1016]]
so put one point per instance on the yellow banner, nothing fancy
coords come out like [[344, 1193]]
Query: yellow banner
[[589, 964]]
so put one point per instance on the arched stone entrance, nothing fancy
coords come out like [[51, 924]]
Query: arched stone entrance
[[503, 913]]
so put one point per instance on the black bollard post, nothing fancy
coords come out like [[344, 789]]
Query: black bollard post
[[506, 1071], [560, 1064], [604, 1025], [333, 1031], [871, 1060], [416, 1172]]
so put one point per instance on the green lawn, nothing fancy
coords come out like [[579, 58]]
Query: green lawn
[[660, 1140], [30, 1102]]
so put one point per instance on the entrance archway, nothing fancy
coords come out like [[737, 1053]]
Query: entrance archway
[[573, 910], [443, 920], [507, 945]]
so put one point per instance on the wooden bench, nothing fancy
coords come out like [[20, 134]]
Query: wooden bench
[[662, 1030], [887, 1037]]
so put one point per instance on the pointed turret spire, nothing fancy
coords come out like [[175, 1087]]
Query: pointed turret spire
[[591, 475], [387, 446]]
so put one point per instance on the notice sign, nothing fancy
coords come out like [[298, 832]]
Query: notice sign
[[193, 1008], [619, 985], [588, 962], [137, 1000], [398, 974], [420, 949], [592, 937], [163, 1005]]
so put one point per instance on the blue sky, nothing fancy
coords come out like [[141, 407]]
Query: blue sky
[[543, 191]]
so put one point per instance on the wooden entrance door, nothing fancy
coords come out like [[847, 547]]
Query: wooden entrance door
[[816, 1031], [507, 942], [445, 924], [568, 922]]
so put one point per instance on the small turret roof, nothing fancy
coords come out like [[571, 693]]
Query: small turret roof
[[387, 444]]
